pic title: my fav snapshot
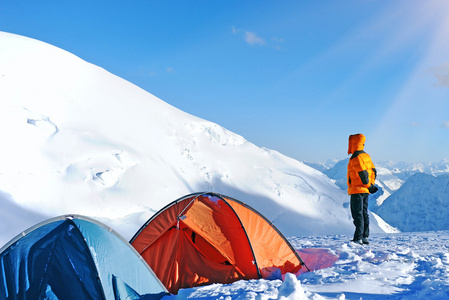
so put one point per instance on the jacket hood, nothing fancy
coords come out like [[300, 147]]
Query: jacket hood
[[356, 143]]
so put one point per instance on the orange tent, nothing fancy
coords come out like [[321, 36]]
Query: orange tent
[[207, 238]]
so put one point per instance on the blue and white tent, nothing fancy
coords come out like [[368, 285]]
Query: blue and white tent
[[74, 257]]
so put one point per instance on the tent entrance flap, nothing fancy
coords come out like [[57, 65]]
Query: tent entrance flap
[[179, 263], [205, 248]]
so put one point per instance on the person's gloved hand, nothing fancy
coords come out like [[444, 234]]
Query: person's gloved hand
[[372, 189]]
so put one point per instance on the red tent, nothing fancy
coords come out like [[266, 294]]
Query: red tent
[[207, 238]]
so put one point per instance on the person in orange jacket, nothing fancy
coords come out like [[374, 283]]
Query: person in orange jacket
[[361, 177]]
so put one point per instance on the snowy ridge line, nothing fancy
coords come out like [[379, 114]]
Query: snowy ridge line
[[120, 153]]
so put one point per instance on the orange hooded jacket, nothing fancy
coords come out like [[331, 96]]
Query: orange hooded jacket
[[361, 170]]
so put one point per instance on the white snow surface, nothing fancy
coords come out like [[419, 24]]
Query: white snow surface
[[79, 140], [393, 266]]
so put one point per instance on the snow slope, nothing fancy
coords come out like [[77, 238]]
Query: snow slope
[[80, 140]]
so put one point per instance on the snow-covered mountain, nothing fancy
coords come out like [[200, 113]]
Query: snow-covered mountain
[[404, 170], [338, 173], [419, 205], [79, 140]]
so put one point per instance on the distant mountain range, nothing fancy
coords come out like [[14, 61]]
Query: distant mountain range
[[411, 196]]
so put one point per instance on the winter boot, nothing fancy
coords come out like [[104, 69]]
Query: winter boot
[[365, 241]]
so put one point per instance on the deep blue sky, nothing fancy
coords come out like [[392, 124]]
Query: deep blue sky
[[294, 76]]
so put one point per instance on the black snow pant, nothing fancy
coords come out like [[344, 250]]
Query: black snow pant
[[359, 211]]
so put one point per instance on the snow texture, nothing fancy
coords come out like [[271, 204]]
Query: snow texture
[[393, 266]]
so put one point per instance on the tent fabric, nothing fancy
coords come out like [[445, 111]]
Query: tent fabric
[[271, 248], [74, 257], [206, 238]]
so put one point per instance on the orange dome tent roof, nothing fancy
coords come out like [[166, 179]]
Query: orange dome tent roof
[[206, 238]]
